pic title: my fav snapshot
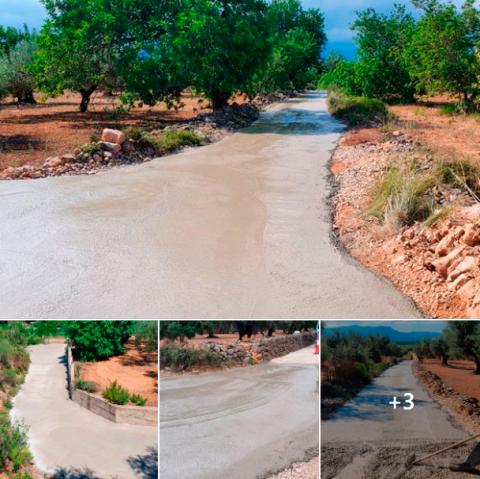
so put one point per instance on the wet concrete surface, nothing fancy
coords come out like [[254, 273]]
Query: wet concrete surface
[[367, 438], [236, 229], [70, 441], [238, 424]]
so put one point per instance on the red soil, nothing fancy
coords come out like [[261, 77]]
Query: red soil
[[447, 136], [134, 370], [29, 134], [458, 375]]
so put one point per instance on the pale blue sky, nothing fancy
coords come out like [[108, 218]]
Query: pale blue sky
[[339, 15]]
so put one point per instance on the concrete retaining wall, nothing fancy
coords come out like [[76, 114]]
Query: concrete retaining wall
[[263, 350], [138, 415]]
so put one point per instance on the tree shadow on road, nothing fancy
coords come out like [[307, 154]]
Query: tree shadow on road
[[73, 473], [145, 465]]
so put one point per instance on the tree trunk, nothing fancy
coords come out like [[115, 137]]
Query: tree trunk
[[219, 100], [86, 95], [27, 98], [445, 360], [477, 365]]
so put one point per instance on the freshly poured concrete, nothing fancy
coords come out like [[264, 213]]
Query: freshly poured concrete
[[236, 229], [241, 423], [65, 437]]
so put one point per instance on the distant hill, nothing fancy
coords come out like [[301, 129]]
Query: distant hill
[[392, 334]]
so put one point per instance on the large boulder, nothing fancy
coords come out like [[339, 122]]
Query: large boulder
[[113, 136]]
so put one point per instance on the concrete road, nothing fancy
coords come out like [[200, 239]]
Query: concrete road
[[241, 423], [236, 229], [367, 430], [64, 437]]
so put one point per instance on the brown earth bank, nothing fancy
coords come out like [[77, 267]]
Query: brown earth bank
[[455, 388], [135, 370], [437, 266], [50, 138], [459, 375]]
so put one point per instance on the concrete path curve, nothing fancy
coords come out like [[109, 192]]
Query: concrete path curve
[[241, 423], [65, 438], [236, 229]]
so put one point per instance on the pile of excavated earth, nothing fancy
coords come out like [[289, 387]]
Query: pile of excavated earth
[[437, 266], [115, 149]]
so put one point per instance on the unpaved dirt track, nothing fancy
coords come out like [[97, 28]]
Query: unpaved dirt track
[[367, 439], [66, 438], [239, 424], [236, 229]]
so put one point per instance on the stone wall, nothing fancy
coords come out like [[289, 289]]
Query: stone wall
[[263, 350]]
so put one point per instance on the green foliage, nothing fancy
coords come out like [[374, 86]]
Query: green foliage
[[216, 46], [88, 386], [138, 400], [13, 445], [381, 69], [357, 110], [146, 333], [180, 358], [97, 340], [116, 394], [297, 38], [171, 140], [15, 78], [178, 329], [91, 148], [356, 360], [443, 52], [339, 74], [77, 47]]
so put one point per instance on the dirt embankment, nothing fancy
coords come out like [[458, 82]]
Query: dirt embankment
[[437, 266], [455, 387]]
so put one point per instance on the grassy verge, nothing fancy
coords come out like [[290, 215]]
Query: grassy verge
[[180, 358], [355, 110], [407, 193], [15, 457]]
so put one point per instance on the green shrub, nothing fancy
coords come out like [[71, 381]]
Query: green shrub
[[135, 133], [6, 353], [9, 377], [360, 371], [146, 334], [180, 358], [13, 444], [356, 110], [91, 148], [7, 403], [88, 386], [116, 394], [171, 140], [97, 340], [138, 400]]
